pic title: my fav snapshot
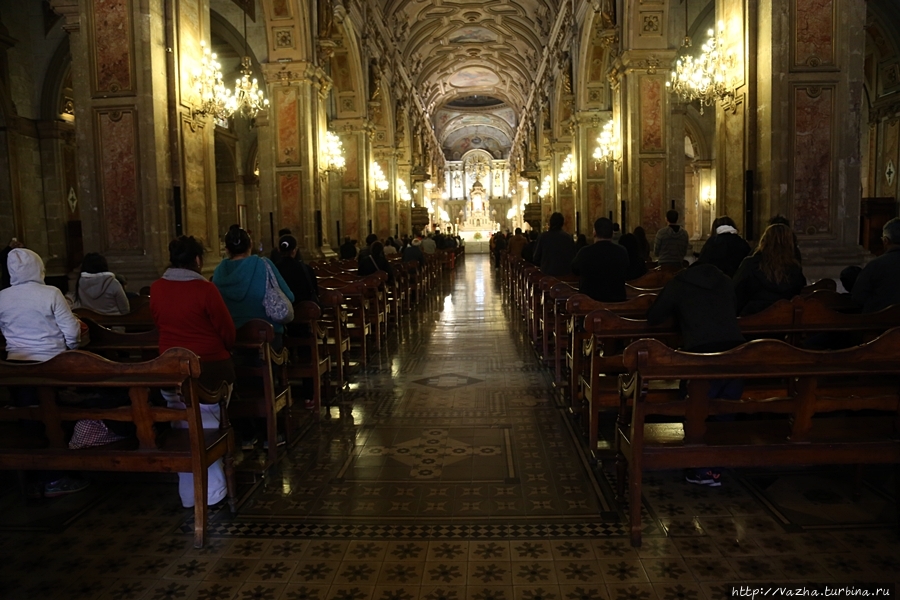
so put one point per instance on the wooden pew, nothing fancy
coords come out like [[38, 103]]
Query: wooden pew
[[261, 388], [308, 357], [139, 319], [815, 383], [190, 450], [577, 307]]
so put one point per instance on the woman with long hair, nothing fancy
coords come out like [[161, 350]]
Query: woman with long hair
[[376, 261], [770, 274], [643, 243]]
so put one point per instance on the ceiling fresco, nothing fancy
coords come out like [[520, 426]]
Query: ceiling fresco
[[461, 49]]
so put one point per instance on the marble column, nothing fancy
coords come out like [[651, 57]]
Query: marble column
[[296, 89], [141, 145], [809, 71]]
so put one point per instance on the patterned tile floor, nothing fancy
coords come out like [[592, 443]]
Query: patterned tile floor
[[448, 471]]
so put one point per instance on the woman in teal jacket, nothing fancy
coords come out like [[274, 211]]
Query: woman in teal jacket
[[241, 279]]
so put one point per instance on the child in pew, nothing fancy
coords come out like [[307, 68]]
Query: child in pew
[[701, 300], [189, 312]]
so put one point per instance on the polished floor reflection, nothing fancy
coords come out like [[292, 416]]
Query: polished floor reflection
[[450, 470]]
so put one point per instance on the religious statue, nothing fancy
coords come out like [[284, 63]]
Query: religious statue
[[374, 81]]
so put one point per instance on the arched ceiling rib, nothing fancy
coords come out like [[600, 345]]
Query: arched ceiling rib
[[457, 49]]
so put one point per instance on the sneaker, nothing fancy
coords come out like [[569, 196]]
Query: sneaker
[[249, 444], [709, 477], [279, 442], [64, 486]]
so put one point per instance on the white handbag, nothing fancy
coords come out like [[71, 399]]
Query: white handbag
[[278, 307]]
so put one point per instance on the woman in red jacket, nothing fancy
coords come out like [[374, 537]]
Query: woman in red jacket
[[189, 313]]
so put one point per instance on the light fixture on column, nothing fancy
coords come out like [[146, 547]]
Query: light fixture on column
[[247, 97], [704, 78], [606, 143], [333, 153], [215, 98], [545, 187], [403, 190], [379, 181], [567, 171]]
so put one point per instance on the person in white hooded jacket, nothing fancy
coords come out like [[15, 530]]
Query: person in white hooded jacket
[[38, 324], [35, 318]]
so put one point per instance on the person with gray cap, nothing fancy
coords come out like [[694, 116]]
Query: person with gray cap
[[878, 285]]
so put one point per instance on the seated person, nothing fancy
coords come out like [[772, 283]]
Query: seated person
[[98, 289], [189, 313], [770, 274], [602, 265], [878, 285], [38, 324], [376, 261], [700, 299]]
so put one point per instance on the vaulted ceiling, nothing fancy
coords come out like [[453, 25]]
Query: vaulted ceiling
[[473, 63]]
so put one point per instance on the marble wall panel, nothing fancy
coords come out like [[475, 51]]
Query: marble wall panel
[[596, 72], [383, 219], [567, 208], [651, 115], [813, 33], [190, 33], [350, 222], [890, 156], [287, 139], [117, 144], [812, 153], [653, 186], [289, 200], [595, 204], [196, 189], [351, 164], [341, 73], [281, 9], [110, 44]]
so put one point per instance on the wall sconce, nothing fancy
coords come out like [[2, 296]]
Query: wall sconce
[[607, 144], [333, 153], [403, 191], [379, 181], [567, 171], [704, 78], [545, 187]]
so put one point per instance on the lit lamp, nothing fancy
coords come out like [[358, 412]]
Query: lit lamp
[[545, 187], [403, 191], [215, 98], [333, 153], [704, 78], [567, 171], [247, 98], [379, 181], [606, 144]]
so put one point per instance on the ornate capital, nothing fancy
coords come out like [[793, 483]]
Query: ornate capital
[[68, 9]]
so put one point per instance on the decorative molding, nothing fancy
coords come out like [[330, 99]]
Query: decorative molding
[[69, 10]]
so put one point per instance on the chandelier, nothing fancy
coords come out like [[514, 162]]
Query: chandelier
[[379, 181], [247, 99], [703, 78], [333, 153], [215, 98], [567, 170], [606, 143]]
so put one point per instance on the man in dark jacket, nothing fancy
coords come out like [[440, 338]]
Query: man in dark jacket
[[602, 265], [878, 285], [701, 300], [348, 248], [555, 248]]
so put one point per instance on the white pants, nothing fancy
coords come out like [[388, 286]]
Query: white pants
[[216, 489]]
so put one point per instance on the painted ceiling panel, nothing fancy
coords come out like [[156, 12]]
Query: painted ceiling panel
[[473, 48]]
